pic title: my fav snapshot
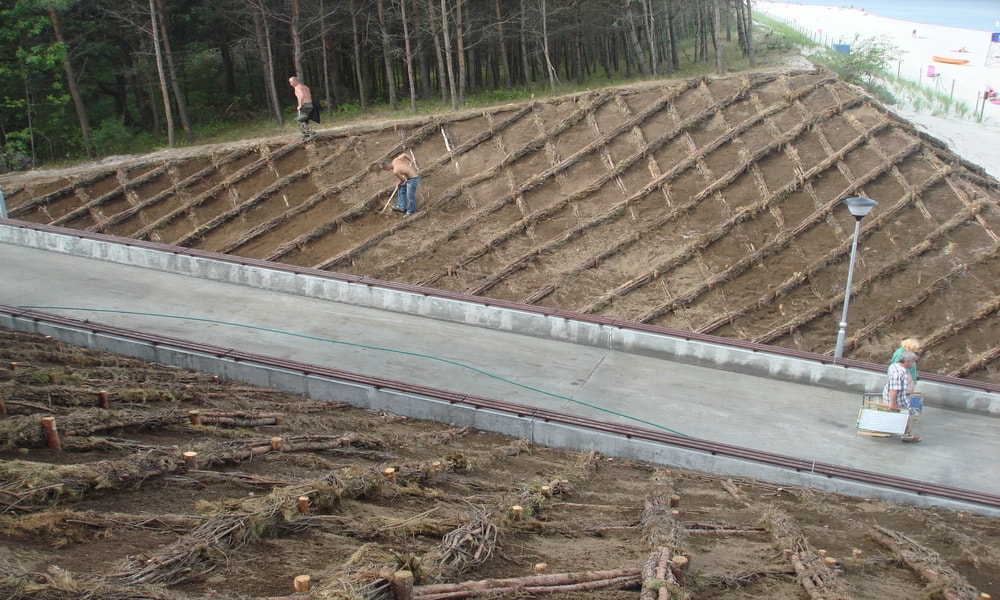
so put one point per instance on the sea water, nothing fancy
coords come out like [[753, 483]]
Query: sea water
[[981, 15]]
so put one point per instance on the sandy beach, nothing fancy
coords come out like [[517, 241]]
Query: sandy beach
[[918, 44]]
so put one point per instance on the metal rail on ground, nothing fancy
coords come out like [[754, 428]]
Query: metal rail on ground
[[31, 320]]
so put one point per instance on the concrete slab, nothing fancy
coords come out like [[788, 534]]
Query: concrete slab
[[733, 406]]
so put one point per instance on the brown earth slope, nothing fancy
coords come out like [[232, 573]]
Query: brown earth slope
[[711, 205], [119, 514]]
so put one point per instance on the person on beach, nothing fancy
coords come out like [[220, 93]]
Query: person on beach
[[406, 191], [305, 110], [895, 394]]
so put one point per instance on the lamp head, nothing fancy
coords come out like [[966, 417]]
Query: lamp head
[[860, 206]]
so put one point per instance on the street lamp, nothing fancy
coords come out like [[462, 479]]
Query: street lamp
[[859, 208]]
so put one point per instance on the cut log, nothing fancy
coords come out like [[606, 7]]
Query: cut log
[[535, 584]]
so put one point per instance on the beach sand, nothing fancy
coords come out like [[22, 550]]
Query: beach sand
[[975, 141]]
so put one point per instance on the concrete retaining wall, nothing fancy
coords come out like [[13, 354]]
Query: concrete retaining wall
[[621, 338], [536, 431]]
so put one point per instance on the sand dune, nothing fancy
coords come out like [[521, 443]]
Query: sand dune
[[918, 44]]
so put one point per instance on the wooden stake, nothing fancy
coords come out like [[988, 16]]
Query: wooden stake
[[390, 475], [194, 417], [302, 583], [402, 585], [303, 505], [191, 460], [276, 443], [103, 396], [51, 437]]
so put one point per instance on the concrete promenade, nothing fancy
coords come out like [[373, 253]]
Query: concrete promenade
[[769, 403]]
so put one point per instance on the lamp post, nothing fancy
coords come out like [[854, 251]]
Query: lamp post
[[859, 208]]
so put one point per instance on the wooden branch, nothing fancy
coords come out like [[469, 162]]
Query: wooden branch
[[35, 407], [664, 575], [235, 419], [659, 523], [534, 584], [925, 563], [808, 567], [723, 529], [818, 580]]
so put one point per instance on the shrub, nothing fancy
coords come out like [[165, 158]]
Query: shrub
[[865, 63]]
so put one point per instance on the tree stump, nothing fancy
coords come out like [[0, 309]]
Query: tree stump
[[51, 436]]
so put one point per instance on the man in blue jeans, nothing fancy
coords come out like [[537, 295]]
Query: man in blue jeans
[[406, 192], [898, 393]]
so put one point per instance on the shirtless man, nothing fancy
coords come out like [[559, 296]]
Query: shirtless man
[[406, 191], [305, 106]]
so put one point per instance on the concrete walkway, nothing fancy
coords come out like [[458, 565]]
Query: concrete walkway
[[960, 448]]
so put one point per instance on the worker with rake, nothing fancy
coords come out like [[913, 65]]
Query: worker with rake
[[406, 191]]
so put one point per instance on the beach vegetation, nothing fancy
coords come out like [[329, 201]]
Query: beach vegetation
[[781, 36], [924, 98], [865, 61]]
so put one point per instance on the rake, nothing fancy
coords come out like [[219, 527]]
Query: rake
[[391, 195]]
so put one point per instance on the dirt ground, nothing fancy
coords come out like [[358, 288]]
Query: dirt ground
[[710, 205], [118, 512]]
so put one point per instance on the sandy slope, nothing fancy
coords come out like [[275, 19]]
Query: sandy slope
[[975, 141]]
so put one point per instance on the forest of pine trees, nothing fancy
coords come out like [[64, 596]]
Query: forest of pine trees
[[77, 77]]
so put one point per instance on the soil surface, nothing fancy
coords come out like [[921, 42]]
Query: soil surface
[[281, 487], [712, 205]]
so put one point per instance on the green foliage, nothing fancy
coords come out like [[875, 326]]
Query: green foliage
[[864, 64], [781, 36], [113, 137], [32, 86], [498, 96], [348, 108], [882, 93], [924, 98], [16, 144]]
